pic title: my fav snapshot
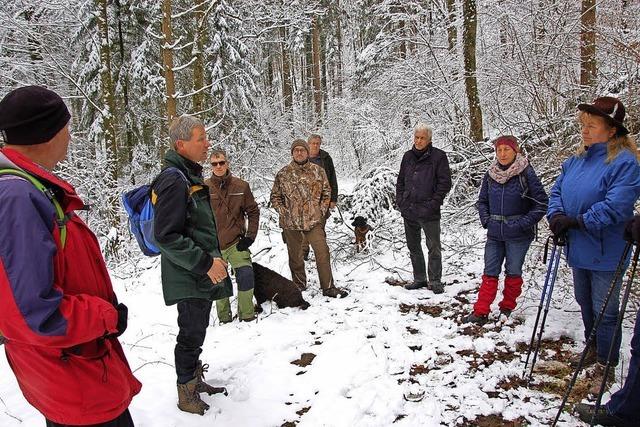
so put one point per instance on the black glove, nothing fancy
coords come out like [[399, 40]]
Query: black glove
[[632, 230], [560, 223], [123, 313], [244, 243]]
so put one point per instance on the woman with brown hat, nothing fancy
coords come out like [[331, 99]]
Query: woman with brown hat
[[512, 201], [589, 204]]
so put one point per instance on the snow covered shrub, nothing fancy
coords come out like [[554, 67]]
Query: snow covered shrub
[[374, 195]]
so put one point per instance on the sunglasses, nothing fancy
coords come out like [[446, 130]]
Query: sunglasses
[[220, 163]]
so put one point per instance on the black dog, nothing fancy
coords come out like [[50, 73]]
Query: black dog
[[270, 285], [361, 230]]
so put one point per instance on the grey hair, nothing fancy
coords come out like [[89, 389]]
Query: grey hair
[[182, 127], [424, 127], [218, 152], [314, 136]]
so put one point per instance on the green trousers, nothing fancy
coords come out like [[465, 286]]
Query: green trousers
[[240, 262]]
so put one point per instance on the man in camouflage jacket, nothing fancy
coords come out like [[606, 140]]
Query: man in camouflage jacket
[[301, 194]]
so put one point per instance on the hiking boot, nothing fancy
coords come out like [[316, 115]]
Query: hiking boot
[[250, 319], [334, 292], [477, 319], [436, 286], [602, 417], [505, 312], [590, 358], [416, 285], [597, 376], [189, 399], [203, 387]]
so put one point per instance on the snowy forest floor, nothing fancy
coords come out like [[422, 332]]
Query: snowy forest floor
[[353, 361]]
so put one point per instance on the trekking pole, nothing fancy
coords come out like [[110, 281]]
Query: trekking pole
[[545, 300], [617, 331], [594, 328], [542, 295]]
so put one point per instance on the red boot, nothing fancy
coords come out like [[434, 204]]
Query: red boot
[[512, 290], [486, 295]]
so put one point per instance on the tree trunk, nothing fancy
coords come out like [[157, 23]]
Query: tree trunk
[[317, 84], [106, 83], [588, 68], [198, 52], [127, 156], [287, 91], [470, 82], [167, 59], [108, 107], [452, 31], [339, 75]]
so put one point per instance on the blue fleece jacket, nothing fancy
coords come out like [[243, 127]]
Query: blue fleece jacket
[[601, 196]]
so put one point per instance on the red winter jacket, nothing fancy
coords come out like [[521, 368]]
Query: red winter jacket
[[56, 304]]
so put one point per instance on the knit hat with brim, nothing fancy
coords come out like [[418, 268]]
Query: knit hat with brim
[[610, 108], [32, 115]]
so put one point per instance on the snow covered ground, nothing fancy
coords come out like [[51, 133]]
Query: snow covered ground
[[372, 349]]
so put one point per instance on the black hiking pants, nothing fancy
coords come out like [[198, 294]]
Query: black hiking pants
[[193, 319], [124, 420]]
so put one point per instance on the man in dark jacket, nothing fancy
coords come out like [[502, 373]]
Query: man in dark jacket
[[193, 271], [324, 160], [423, 182], [58, 312], [233, 205]]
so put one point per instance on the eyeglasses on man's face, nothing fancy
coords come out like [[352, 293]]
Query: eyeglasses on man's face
[[220, 163]]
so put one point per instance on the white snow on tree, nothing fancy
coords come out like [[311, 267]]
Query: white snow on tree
[[374, 196]]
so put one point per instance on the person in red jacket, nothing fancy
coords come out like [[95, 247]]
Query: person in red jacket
[[58, 313]]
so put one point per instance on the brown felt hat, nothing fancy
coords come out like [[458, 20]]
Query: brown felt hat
[[610, 108]]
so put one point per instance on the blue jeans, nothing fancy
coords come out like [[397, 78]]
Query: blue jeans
[[625, 403], [495, 252], [413, 232], [590, 288]]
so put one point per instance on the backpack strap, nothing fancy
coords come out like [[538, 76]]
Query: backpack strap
[[190, 189], [61, 218]]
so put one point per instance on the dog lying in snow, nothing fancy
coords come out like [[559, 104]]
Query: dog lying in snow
[[269, 285], [361, 228]]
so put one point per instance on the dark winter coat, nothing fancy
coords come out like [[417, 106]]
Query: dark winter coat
[[56, 304], [233, 204], [511, 210], [326, 163], [185, 230], [423, 182], [601, 195]]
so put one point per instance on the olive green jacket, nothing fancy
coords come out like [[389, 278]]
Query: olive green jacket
[[185, 229]]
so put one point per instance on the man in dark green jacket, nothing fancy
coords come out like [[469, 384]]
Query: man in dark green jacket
[[193, 271]]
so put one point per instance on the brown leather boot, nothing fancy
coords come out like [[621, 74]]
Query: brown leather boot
[[189, 400], [203, 387]]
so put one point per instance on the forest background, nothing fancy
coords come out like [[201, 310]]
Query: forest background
[[361, 73]]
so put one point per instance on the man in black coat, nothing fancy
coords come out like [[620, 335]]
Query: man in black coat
[[423, 182], [324, 160]]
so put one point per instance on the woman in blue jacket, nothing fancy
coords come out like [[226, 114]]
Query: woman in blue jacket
[[512, 201], [590, 202]]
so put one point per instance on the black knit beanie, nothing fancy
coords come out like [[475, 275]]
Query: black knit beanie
[[32, 115]]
